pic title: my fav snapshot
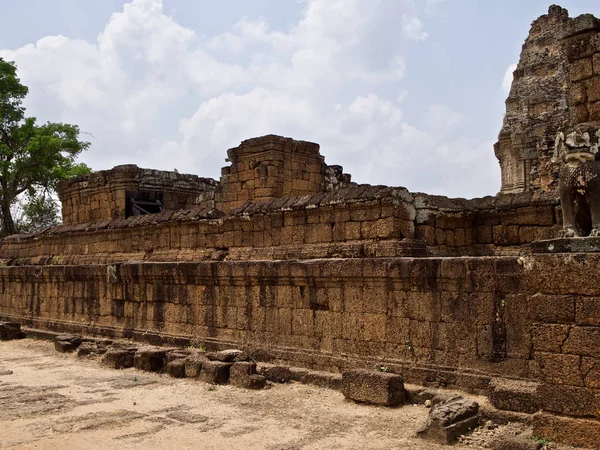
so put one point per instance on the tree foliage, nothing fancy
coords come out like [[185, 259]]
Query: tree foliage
[[33, 158]]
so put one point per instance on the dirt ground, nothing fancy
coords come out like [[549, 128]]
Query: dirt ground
[[58, 401]]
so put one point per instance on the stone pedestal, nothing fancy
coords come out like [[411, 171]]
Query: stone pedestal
[[567, 245]]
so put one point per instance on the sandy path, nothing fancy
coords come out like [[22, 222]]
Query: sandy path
[[57, 401]]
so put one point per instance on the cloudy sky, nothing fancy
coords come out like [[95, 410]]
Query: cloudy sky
[[400, 92]]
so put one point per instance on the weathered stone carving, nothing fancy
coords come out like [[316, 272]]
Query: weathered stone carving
[[449, 420], [579, 183]]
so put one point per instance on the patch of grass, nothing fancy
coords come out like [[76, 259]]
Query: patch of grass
[[543, 441]]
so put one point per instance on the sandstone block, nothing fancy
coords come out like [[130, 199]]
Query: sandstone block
[[569, 400], [595, 111], [215, 372], [593, 89], [578, 432], [276, 374], [378, 388], [10, 331], [150, 359], [583, 341], [193, 365], [228, 356], [588, 311], [176, 368], [549, 337], [450, 419], [93, 348], [577, 94], [581, 70], [520, 442], [176, 354], [118, 358], [65, 343], [243, 375], [559, 369], [596, 63], [513, 395], [552, 308], [579, 114]]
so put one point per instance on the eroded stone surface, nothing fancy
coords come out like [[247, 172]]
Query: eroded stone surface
[[10, 331], [150, 359], [118, 358], [230, 355], [65, 343], [377, 388], [215, 372], [450, 419]]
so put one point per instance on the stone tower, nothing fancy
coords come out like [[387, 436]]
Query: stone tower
[[553, 88]]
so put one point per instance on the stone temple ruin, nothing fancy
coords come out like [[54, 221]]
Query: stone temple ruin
[[290, 260]]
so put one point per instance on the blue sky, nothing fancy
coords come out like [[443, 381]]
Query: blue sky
[[400, 92]]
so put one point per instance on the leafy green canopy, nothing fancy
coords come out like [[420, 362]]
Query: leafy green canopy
[[33, 157]]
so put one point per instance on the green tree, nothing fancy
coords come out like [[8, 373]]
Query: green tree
[[33, 157], [37, 211]]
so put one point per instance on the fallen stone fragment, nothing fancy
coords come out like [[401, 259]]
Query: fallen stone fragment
[[193, 365], [6, 372], [243, 375], [451, 419], [150, 359], [276, 374], [119, 358], [377, 388], [10, 331], [215, 372], [228, 356], [176, 368], [65, 343]]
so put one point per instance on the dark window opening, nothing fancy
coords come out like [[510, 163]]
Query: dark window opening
[[140, 203]]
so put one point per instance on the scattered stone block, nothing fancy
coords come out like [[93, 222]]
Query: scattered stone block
[[451, 419], [276, 374], [323, 379], [91, 348], [215, 372], [65, 343], [513, 395], [150, 359], [298, 373], [119, 358], [10, 331], [176, 354], [193, 365], [176, 368], [514, 443], [228, 356], [377, 388], [243, 375]]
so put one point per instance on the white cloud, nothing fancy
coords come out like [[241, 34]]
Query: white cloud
[[154, 93], [508, 78]]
